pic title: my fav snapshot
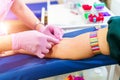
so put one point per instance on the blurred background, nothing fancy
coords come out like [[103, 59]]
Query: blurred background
[[113, 5]]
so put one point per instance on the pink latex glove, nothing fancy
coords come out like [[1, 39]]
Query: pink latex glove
[[33, 41], [52, 31]]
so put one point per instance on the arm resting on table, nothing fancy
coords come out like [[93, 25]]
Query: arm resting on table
[[77, 47]]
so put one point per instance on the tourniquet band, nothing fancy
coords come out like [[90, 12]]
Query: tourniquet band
[[94, 42]]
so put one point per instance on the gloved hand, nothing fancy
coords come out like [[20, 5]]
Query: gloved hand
[[33, 42], [52, 31]]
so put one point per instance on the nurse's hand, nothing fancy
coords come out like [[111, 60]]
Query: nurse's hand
[[33, 42], [52, 31]]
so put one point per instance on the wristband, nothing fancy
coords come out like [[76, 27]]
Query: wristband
[[94, 43]]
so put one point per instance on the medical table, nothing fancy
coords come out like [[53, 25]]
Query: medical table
[[26, 67]]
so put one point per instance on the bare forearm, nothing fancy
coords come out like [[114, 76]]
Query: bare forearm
[[14, 26], [24, 14], [102, 38], [72, 48], [5, 43]]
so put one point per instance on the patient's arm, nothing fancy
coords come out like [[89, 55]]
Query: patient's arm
[[72, 48], [75, 48], [79, 47], [69, 48], [14, 26]]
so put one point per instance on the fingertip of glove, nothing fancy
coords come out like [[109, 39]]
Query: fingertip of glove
[[40, 55], [42, 28], [56, 41]]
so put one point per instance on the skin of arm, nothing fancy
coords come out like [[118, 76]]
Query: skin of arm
[[20, 9], [5, 43], [14, 26], [72, 48]]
